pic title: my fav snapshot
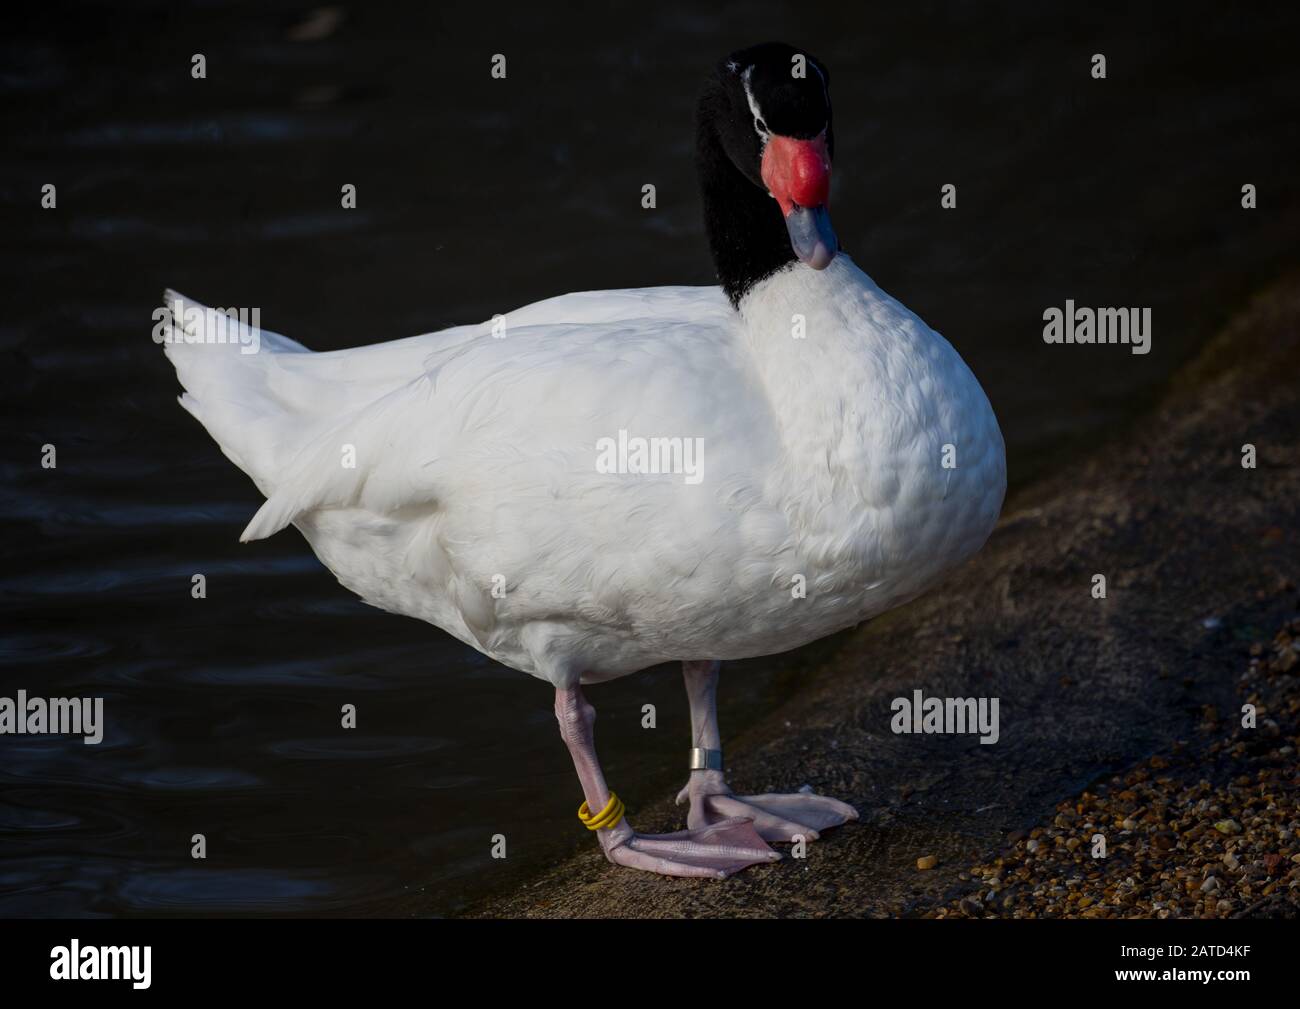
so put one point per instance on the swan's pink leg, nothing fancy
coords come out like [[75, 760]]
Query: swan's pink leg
[[776, 817], [717, 849]]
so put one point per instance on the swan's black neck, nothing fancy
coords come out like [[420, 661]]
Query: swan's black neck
[[747, 236]]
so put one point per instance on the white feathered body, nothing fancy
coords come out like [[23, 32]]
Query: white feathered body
[[848, 462]]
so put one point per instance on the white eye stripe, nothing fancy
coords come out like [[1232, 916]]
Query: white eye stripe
[[757, 113], [760, 124]]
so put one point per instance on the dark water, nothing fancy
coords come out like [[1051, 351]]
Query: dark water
[[477, 196]]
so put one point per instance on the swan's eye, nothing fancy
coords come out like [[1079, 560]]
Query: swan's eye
[[760, 126]]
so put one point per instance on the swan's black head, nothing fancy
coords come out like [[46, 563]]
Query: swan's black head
[[764, 145]]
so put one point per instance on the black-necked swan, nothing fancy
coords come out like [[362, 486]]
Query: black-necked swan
[[605, 481]]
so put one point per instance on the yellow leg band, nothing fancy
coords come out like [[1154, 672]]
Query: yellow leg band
[[607, 817]]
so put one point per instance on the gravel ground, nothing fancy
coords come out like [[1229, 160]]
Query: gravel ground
[[1207, 829]]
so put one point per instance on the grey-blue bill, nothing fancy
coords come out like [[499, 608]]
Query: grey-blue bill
[[811, 236]]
